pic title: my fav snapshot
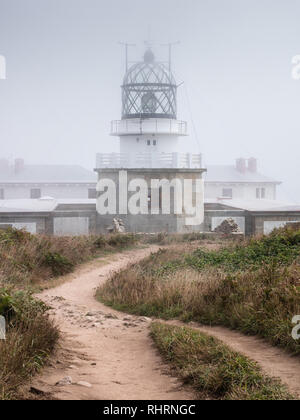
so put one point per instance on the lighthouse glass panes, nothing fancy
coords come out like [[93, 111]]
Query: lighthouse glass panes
[[149, 90]]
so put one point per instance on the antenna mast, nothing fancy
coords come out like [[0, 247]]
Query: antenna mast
[[126, 45], [170, 45]]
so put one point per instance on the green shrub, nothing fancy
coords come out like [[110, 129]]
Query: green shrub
[[58, 263]]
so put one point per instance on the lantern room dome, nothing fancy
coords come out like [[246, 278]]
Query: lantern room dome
[[149, 90]]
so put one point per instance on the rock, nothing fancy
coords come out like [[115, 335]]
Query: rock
[[110, 316], [64, 381], [228, 226], [36, 391], [85, 384], [144, 319]]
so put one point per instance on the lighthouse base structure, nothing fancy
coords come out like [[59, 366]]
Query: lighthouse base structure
[[173, 222]]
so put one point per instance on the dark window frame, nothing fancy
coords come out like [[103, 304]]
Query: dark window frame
[[35, 193], [92, 193], [228, 190]]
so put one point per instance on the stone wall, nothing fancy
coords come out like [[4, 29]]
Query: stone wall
[[152, 223]]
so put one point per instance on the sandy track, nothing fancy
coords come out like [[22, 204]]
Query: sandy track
[[110, 351]]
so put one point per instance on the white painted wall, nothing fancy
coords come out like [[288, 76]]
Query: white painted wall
[[29, 227], [71, 226], [239, 191], [138, 144], [68, 192]]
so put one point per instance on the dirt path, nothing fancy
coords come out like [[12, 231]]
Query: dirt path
[[274, 361], [107, 355]]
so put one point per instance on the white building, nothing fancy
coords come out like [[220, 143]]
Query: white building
[[22, 181], [239, 182]]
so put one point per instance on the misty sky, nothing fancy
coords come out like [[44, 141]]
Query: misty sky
[[65, 68]]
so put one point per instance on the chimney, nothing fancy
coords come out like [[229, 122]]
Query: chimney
[[252, 165], [4, 165], [241, 165], [19, 165]]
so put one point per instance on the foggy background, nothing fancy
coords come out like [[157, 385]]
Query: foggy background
[[65, 68]]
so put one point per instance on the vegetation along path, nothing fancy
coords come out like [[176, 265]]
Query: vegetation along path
[[105, 354]]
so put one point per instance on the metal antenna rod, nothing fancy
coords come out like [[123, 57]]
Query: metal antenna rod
[[126, 45], [170, 45]]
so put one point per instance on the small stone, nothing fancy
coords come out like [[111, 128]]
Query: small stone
[[144, 319], [93, 364], [85, 384], [64, 381], [111, 316]]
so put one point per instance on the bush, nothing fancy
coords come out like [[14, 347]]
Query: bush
[[58, 263], [30, 338]]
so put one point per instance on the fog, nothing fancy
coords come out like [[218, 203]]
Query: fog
[[65, 68]]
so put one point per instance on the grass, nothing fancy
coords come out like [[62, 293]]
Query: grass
[[30, 339], [212, 368], [253, 286], [27, 260]]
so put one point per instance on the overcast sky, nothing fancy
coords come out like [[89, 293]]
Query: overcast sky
[[65, 68]]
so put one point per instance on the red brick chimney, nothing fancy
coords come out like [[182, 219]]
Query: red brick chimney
[[252, 165], [19, 165], [241, 165]]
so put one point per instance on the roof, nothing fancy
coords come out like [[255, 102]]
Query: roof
[[48, 174], [257, 205], [229, 173], [41, 205]]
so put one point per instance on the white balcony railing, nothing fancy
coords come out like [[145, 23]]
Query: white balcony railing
[[137, 126], [149, 160]]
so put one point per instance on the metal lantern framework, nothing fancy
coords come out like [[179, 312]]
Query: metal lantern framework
[[149, 91]]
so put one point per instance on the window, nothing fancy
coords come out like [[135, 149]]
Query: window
[[148, 142], [1, 194], [35, 193], [154, 142], [92, 193], [227, 193], [260, 193]]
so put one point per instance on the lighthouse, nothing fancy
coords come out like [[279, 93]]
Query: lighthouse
[[149, 127], [150, 134]]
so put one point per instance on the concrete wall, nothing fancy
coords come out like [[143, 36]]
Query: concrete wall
[[263, 224], [242, 218], [152, 223], [31, 222]]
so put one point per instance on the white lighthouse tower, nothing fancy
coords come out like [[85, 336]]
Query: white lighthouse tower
[[149, 134], [149, 127]]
